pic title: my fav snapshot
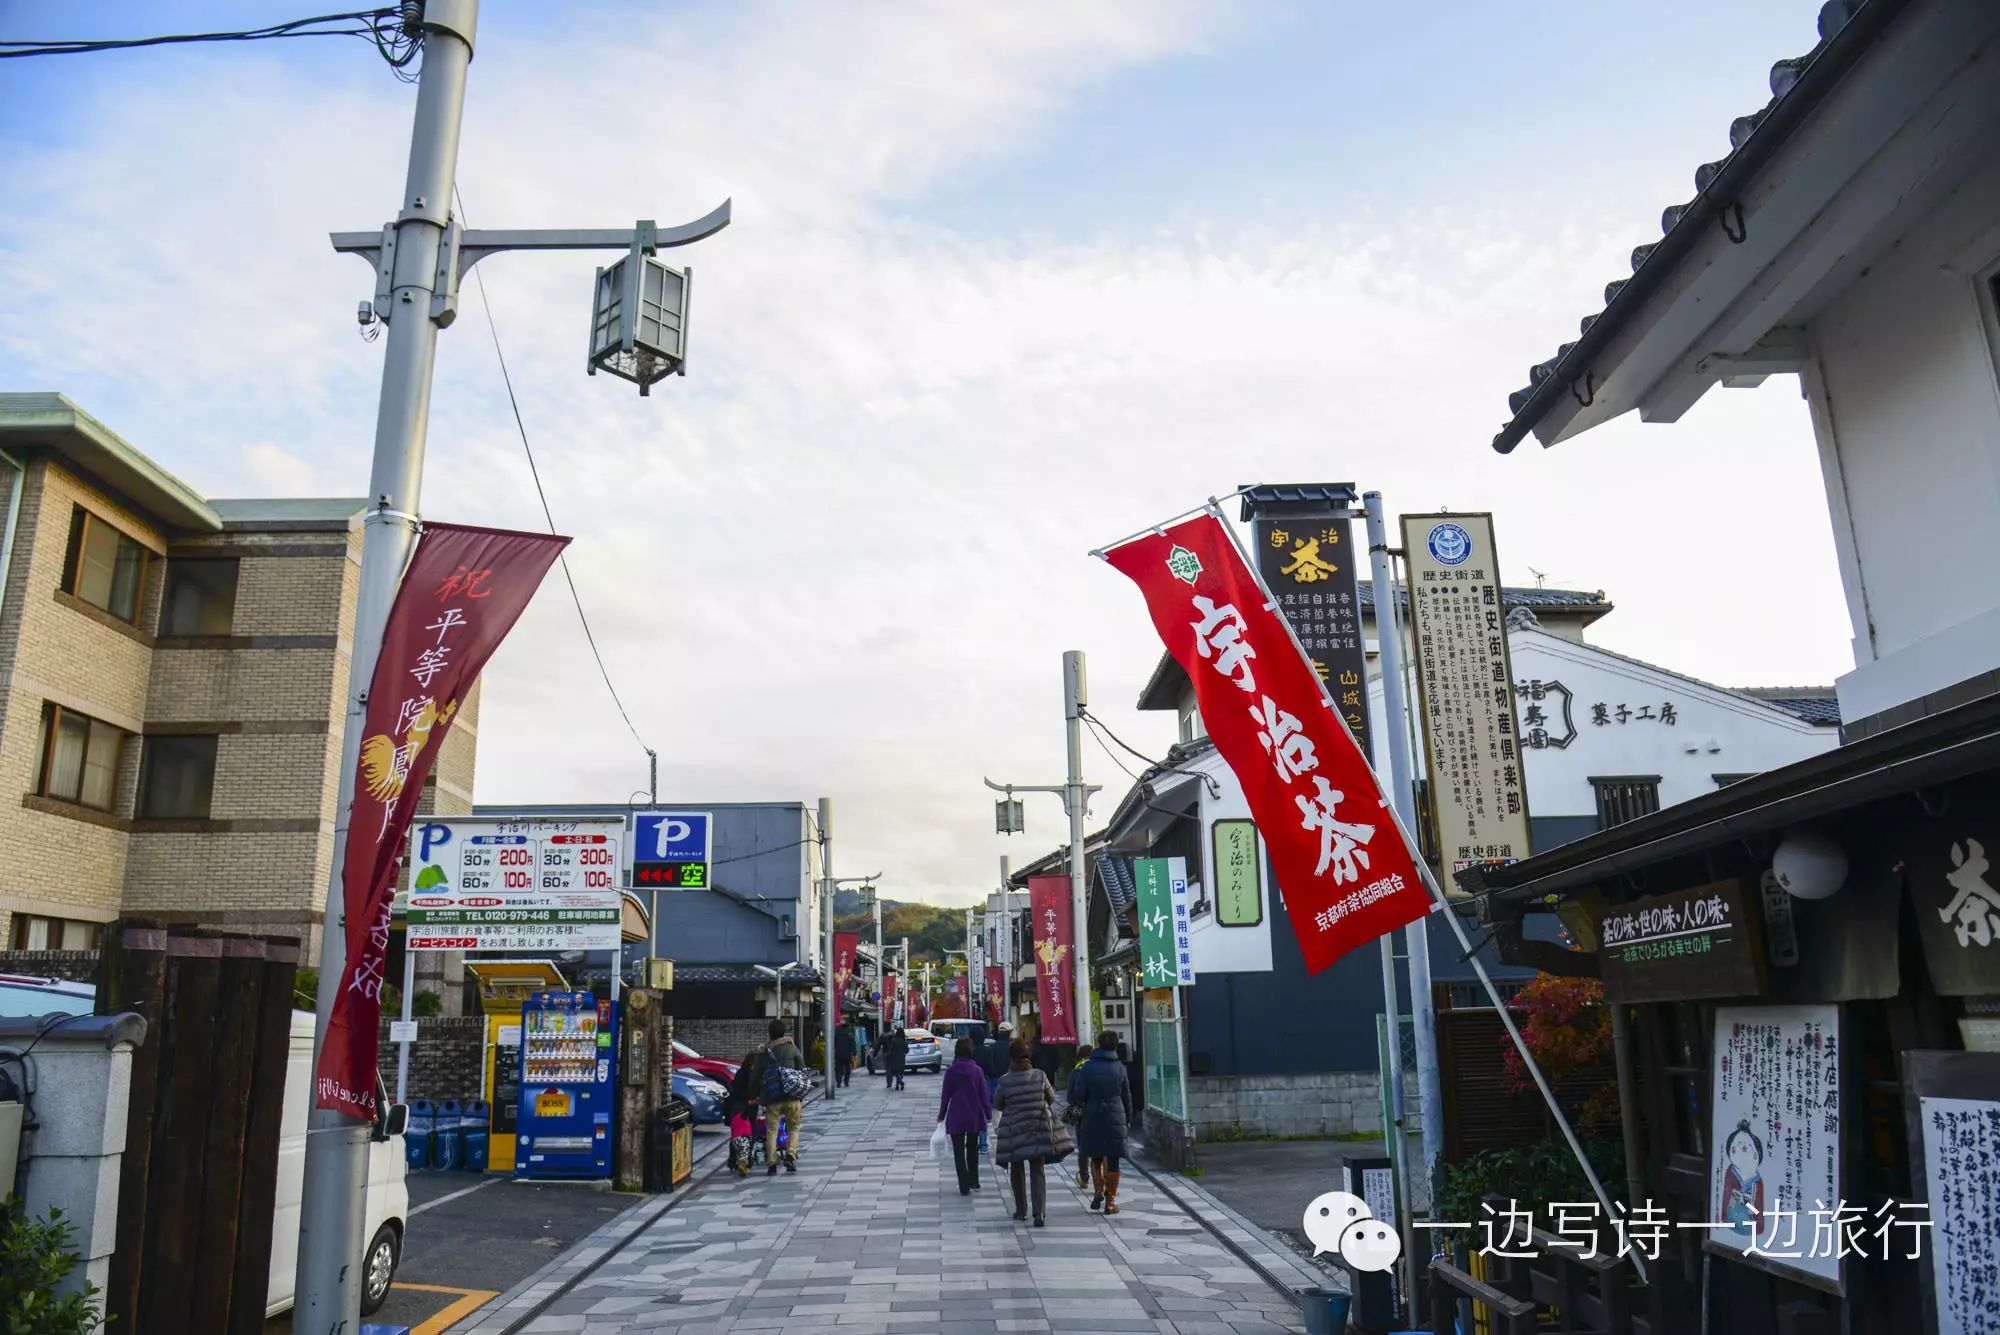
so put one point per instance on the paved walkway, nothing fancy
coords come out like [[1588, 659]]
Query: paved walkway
[[871, 1235]]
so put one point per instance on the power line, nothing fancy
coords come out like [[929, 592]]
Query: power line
[[536, 473], [308, 27], [1214, 789]]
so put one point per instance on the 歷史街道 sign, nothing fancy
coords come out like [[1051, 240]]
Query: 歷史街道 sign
[[1477, 787]]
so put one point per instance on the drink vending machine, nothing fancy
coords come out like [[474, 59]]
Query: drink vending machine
[[569, 1054]]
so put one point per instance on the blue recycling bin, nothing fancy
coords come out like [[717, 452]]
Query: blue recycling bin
[[1324, 1310], [417, 1136], [474, 1124], [448, 1140]]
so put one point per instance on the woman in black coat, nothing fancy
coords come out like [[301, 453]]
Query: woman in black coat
[[895, 1049], [1105, 1092]]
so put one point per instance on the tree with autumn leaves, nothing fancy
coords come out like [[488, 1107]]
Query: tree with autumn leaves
[[1567, 1027]]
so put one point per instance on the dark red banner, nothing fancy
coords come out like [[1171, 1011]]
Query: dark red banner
[[462, 593], [844, 946], [1055, 971], [1346, 874], [996, 994], [888, 1000]]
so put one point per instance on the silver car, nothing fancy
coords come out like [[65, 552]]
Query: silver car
[[925, 1054]]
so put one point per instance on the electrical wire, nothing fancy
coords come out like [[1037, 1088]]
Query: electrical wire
[[1214, 788], [307, 27], [521, 426]]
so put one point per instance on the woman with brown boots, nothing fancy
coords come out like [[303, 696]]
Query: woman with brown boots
[[1106, 1099]]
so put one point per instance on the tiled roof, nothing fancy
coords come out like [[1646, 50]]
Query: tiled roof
[[1275, 499], [1797, 84], [1814, 704], [1116, 875], [1514, 596], [741, 973]]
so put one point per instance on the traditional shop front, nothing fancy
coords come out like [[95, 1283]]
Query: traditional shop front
[[1804, 972]]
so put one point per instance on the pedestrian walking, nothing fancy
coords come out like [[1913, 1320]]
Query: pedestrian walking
[[741, 1112], [993, 1060], [895, 1048], [782, 1087], [1029, 1135], [963, 1107], [843, 1056], [1107, 1116], [1073, 1113]]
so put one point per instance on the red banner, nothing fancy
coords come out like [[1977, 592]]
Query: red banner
[[888, 1000], [462, 593], [996, 994], [1055, 971], [844, 946], [1346, 874]]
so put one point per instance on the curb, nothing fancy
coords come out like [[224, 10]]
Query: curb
[[1269, 1256]]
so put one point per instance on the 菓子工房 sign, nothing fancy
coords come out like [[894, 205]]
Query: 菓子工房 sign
[[1693, 943]]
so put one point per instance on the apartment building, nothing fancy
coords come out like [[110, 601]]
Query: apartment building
[[171, 676]]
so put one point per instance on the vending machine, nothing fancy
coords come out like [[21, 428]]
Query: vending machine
[[568, 1059]]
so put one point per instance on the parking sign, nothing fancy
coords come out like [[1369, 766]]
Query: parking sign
[[671, 848]]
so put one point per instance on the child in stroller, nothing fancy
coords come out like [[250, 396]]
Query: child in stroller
[[746, 1117]]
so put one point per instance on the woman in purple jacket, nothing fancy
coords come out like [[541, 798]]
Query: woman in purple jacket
[[964, 1106]]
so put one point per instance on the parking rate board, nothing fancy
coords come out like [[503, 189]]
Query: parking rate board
[[496, 884]]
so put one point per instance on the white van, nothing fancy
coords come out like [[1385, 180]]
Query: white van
[[388, 1205], [950, 1031]]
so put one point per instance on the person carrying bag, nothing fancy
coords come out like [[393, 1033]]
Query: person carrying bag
[[1029, 1135]]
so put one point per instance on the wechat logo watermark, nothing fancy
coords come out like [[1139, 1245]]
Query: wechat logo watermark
[[1340, 1222]]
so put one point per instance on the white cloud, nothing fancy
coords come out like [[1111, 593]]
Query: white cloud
[[844, 554]]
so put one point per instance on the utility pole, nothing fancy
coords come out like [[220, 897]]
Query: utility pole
[[1075, 794], [1395, 705], [336, 1168], [826, 971], [1075, 799], [418, 261], [881, 974], [1006, 942]]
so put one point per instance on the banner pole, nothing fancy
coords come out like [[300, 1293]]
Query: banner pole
[[1211, 503], [1439, 904]]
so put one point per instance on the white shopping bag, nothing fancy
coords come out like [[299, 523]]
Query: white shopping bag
[[940, 1147]]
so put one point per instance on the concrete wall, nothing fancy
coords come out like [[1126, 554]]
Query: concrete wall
[[1314, 1103], [725, 1040], [1901, 382]]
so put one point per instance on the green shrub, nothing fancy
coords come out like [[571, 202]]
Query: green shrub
[[1532, 1176], [426, 1002], [35, 1257]]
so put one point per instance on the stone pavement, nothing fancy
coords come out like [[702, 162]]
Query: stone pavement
[[871, 1235]]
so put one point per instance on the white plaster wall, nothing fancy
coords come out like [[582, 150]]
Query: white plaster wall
[[1717, 732], [1906, 409]]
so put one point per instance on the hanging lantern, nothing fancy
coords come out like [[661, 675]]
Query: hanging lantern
[[638, 316]]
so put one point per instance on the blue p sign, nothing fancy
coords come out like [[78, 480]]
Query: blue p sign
[[671, 836]]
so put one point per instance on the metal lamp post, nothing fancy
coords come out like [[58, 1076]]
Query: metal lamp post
[[779, 975], [1075, 794], [836, 999], [418, 260]]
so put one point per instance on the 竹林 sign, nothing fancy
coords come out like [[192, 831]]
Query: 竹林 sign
[[1478, 791], [1692, 943], [1345, 873], [497, 883], [1165, 957]]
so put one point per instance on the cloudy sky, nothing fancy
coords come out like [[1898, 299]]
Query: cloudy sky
[[1005, 282]]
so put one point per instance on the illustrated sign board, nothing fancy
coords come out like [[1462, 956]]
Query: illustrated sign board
[[1952, 1108], [1478, 790], [672, 848], [1310, 565], [1693, 943], [1774, 1146], [491, 883]]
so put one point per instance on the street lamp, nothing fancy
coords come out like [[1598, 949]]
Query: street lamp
[[638, 315], [779, 975]]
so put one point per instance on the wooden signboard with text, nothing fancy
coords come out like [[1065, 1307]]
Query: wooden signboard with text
[[1699, 942]]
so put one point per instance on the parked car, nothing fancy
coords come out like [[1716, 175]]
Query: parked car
[[950, 1031], [21, 995], [924, 1055], [705, 1094], [387, 1207], [687, 1059]]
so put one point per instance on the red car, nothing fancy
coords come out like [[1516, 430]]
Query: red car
[[687, 1059]]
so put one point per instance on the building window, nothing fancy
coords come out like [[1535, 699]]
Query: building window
[[79, 758], [200, 597], [105, 568], [1625, 797], [37, 933], [177, 781]]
